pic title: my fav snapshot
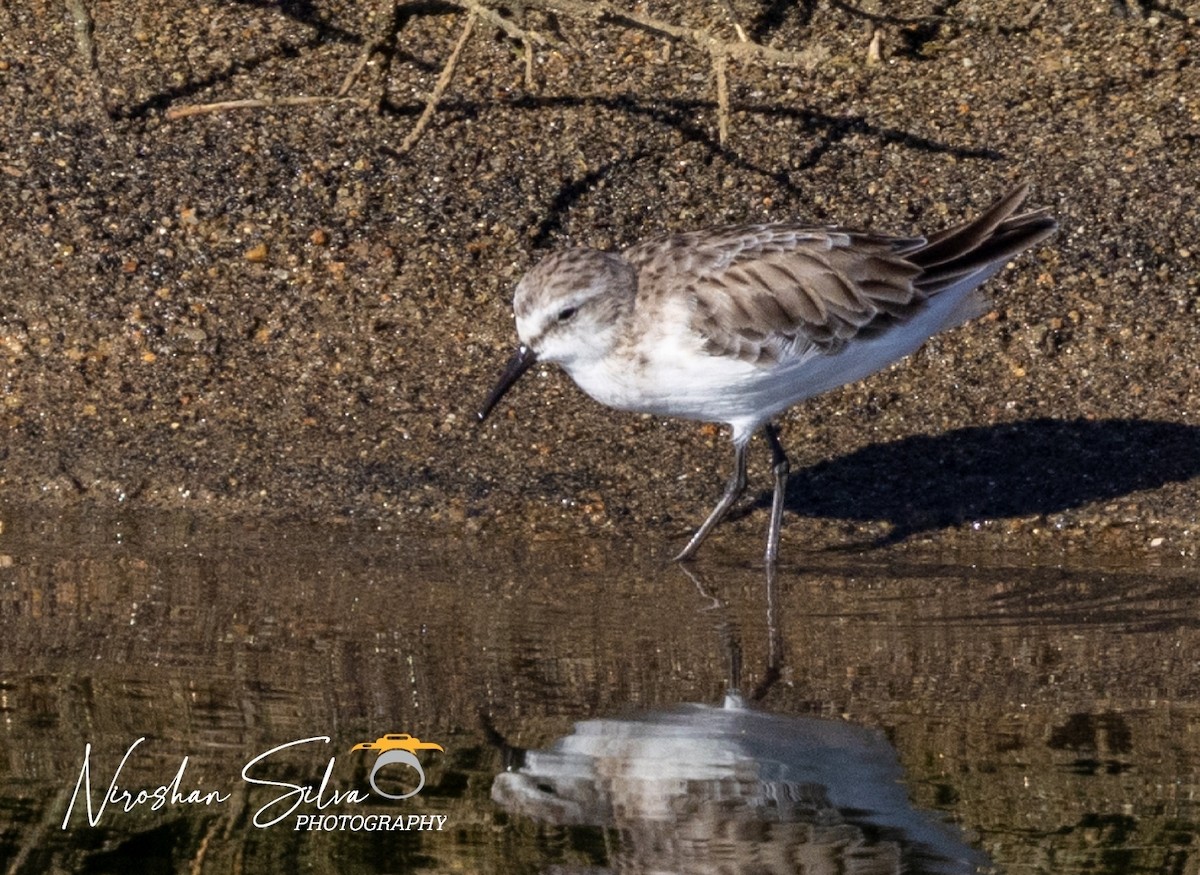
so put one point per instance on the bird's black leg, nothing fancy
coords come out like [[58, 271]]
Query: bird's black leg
[[735, 487], [780, 467]]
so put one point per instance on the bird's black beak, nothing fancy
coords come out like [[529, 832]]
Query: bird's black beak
[[522, 360]]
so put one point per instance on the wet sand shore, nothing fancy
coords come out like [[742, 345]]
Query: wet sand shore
[[275, 310]]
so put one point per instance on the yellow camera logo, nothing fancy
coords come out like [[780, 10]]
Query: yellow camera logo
[[398, 748]]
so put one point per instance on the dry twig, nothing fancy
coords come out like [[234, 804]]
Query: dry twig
[[364, 58], [527, 37], [439, 89], [84, 26], [1031, 15], [697, 36], [372, 47], [720, 62], [875, 49], [491, 16], [177, 112], [719, 50]]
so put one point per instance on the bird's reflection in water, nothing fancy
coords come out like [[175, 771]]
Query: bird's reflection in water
[[731, 789]]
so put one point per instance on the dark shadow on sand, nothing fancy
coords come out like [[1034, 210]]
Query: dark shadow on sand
[[820, 132], [1039, 466]]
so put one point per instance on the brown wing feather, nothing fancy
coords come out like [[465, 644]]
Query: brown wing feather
[[818, 294], [765, 292]]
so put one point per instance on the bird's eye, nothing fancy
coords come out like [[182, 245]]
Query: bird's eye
[[566, 313]]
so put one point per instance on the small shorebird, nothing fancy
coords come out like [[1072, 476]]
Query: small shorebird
[[736, 325]]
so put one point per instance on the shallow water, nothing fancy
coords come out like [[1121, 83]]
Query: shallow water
[[1043, 719]]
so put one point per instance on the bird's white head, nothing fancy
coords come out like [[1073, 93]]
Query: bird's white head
[[571, 305]]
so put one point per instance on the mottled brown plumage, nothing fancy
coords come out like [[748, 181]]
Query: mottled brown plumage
[[765, 292]]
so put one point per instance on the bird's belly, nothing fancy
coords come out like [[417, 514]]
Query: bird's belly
[[702, 387], [683, 381]]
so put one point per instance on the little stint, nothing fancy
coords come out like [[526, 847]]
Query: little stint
[[736, 325]]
